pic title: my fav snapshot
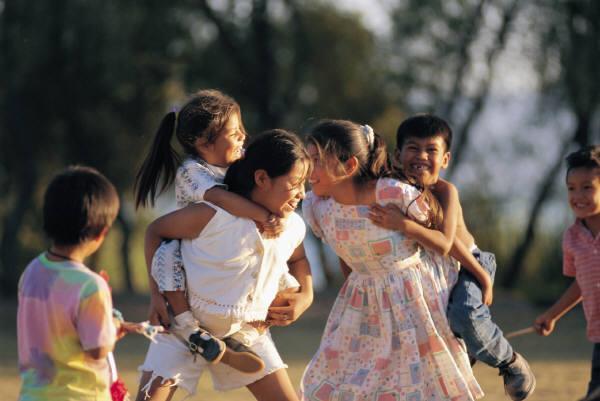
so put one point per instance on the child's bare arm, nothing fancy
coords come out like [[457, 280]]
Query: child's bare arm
[[467, 261], [98, 353], [242, 207], [544, 324], [392, 218], [299, 301], [447, 196]]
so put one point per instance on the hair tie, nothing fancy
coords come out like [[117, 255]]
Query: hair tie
[[369, 135]]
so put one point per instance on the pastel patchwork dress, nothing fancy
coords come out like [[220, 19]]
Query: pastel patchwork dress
[[387, 337]]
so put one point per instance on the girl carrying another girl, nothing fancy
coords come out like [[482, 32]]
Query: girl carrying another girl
[[209, 128], [387, 336], [233, 274]]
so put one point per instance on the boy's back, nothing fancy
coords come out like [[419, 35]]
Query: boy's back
[[64, 310], [65, 328]]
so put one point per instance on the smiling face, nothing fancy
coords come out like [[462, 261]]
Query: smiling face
[[321, 179], [423, 158], [228, 146], [583, 187], [281, 195]]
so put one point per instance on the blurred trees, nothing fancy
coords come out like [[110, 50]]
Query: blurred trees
[[88, 83], [446, 56]]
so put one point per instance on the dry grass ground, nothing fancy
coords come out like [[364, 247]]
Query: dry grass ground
[[561, 362]]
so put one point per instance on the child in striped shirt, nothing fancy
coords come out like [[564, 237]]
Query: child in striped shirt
[[581, 254]]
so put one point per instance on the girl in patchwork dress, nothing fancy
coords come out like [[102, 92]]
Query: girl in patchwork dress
[[387, 336]]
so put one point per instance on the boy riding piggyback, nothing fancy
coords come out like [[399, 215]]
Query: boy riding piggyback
[[422, 150]]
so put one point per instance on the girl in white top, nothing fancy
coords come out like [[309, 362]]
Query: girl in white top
[[233, 273], [210, 131]]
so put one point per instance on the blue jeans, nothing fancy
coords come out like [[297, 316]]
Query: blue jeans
[[595, 379], [471, 320]]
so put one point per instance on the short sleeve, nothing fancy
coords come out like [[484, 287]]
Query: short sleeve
[[192, 181], [568, 257], [406, 196], [298, 229], [94, 320], [309, 205]]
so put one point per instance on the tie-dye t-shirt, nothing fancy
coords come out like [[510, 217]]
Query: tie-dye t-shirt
[[64, 310]]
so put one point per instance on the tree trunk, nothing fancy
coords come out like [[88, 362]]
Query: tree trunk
[[517, 260], [125, 246]]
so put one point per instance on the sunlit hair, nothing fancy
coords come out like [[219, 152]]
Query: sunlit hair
[[339, 140], [204, 116], [78, 204], [587, 157], [276, 152], [424, 126]]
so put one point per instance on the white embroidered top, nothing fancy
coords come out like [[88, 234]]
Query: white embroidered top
[[232, 271], [194, 178]]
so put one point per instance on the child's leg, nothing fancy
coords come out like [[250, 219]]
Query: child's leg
[[274, 387], [471, 320], [167, 267], [595, 377], [159, 390]]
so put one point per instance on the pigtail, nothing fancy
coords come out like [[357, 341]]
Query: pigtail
[[161, 161], [378, 163]]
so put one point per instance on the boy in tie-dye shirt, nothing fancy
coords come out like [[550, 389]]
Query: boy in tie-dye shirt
[[64, 320]]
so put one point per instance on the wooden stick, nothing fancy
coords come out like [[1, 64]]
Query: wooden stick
[[517, 333]]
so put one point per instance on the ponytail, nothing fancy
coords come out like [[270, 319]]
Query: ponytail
[[161, 161], [378, 162]]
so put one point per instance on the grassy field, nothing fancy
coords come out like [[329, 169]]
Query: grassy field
[[561, 362]]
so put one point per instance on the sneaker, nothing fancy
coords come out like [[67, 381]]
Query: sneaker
[[203, 343], [519, 381], [240, 357]]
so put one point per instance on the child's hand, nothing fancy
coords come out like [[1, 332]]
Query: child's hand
[[389, 216], [293, 306], [158, 314], [544, 325], [272, 227]]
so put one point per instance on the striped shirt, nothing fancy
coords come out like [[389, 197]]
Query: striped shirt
[[581, 259]]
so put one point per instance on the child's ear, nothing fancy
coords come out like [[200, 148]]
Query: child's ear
[[351, 166], [262, 179], [446, 159], [202, 146], [103, 233]]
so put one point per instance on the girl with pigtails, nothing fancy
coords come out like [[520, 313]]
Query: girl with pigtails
[[387, 336]]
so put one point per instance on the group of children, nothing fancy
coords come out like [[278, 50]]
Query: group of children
[[230, 262]]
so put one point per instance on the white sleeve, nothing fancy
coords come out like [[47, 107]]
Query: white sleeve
[[191, 183], [308, 212]]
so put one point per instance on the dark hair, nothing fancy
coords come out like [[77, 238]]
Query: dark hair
[[78, 204], [203, 116], [343, 139], [275, 151], [424, 126], [587, 157]]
